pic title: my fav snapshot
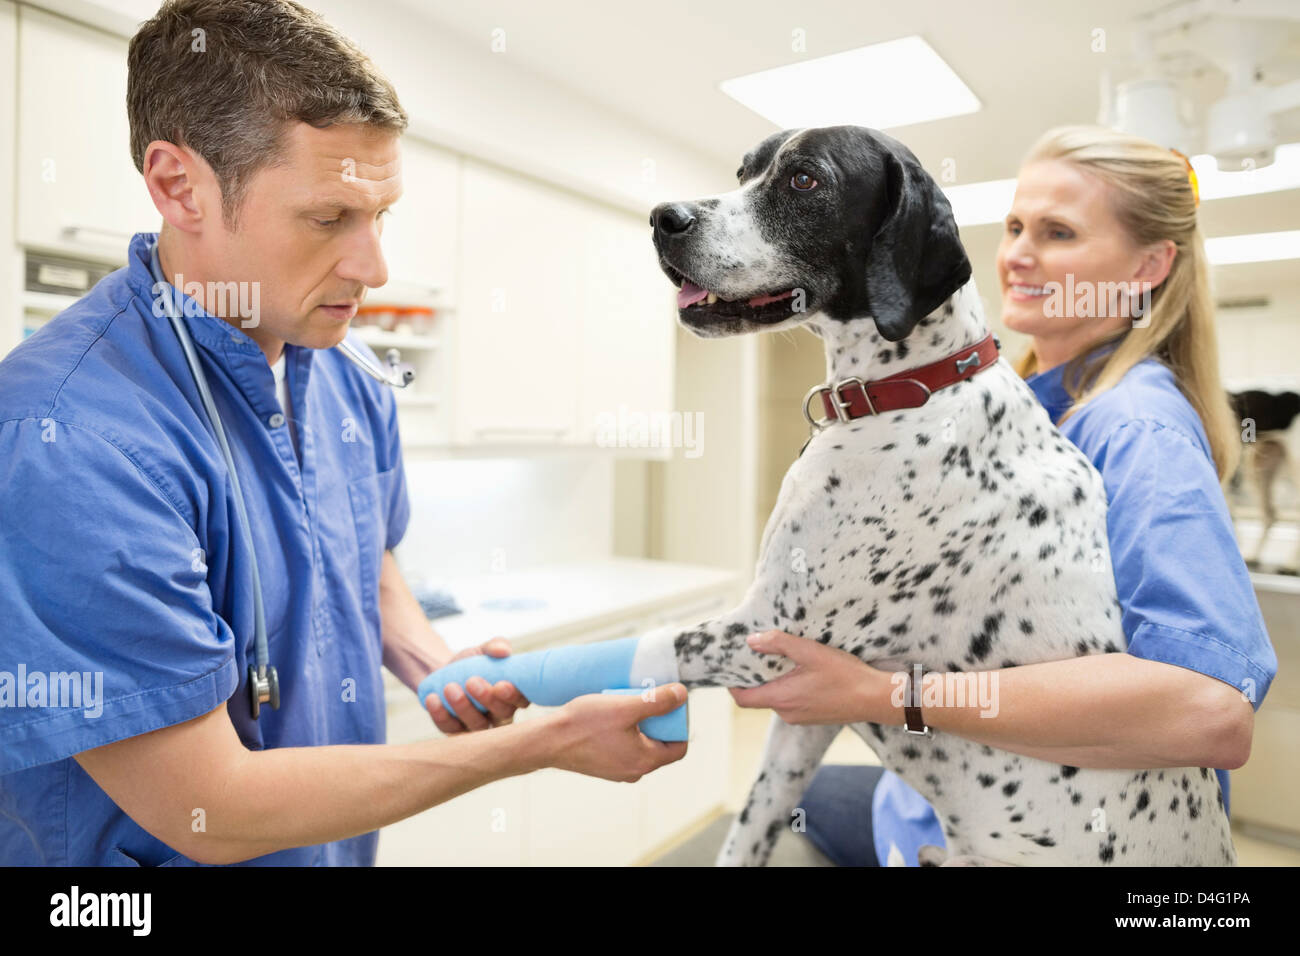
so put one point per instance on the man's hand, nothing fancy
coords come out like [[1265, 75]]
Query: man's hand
[[828, 686], [597, 734], [501, 699]]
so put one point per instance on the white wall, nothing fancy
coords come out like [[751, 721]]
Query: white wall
[[473, 516], [1259, 347], [462, 95]]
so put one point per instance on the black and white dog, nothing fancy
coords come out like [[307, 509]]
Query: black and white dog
[[1276, 448], [955, 528]]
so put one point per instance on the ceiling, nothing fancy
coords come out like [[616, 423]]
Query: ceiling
[[1031, 65]]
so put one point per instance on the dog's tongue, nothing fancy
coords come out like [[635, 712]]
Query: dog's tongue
[[689, 294], [766, 299]]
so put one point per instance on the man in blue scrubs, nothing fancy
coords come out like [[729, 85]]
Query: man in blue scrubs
[[127, 735]]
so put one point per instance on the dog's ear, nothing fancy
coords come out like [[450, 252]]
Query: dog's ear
[[916, 259]]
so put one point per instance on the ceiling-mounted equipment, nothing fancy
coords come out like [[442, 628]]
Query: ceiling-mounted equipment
[[1170, 52]]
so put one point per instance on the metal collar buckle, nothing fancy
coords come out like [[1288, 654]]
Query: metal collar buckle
[[842, 408]]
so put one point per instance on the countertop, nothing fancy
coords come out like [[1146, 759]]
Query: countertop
[[556, 601], [1276, 583]]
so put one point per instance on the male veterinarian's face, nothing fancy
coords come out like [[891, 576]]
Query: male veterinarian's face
[[309, 231], [769, 254], [1061, 225]]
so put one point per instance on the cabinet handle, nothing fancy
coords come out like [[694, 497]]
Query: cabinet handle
[[557, 431]]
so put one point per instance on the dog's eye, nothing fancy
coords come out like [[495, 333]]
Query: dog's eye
[[802, 182]]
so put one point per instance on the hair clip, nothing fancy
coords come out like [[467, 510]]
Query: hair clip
[[1191, 175]]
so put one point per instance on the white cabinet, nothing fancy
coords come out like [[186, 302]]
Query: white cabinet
[[420, 231], [628, 339], [11, 262], [517, 320], [78, 190], [563, 315]]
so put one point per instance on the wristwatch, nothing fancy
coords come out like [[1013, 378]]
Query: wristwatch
[[912, 720]]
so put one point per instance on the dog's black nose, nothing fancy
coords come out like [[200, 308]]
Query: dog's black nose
[[671, 218]]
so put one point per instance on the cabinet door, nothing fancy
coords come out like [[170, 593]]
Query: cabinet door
[[78, 190], [627, 344], [420, 232], [518, 314], [484, 827], [11, 262]]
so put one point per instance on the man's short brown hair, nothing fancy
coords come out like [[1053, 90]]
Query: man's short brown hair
[[226, 78]]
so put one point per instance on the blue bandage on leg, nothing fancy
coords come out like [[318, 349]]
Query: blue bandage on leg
[[555, 676]]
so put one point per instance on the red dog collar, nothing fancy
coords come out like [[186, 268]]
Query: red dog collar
[[852, 398]]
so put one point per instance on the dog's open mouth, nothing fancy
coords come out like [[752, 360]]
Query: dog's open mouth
[[699, 301]]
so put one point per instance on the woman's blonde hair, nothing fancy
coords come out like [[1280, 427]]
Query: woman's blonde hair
[[1153, 199]]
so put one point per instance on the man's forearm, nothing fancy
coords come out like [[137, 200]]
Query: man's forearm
[[412, 648], [1105, 711], [299, 796]]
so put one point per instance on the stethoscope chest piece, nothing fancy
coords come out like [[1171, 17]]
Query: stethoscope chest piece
[[263, 688]]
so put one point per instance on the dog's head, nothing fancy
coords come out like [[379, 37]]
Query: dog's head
[[840, 220]]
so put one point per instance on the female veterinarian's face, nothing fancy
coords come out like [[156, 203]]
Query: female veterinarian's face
[[1059, 240]]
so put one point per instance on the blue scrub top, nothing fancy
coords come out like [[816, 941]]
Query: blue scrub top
[[121, 558], [1183, 586]]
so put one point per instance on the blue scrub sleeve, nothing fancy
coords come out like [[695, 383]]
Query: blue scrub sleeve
[[1184, 588], [109, 629]]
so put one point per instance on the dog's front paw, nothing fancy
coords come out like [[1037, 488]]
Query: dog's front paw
[[931, 855]]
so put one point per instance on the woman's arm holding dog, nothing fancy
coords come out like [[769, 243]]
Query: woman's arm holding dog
[[1102, 710]]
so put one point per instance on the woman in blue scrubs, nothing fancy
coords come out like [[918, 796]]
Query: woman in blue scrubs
[[1138, 391]]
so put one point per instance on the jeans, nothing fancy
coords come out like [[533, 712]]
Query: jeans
[[837, 807]]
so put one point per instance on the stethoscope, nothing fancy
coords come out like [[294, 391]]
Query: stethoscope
[[263, 682]]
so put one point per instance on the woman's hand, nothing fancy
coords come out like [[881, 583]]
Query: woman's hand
[[827, 686], [501, 699]]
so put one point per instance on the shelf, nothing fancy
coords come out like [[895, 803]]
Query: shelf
[[406, 292], [48, 303], [378, 338]]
